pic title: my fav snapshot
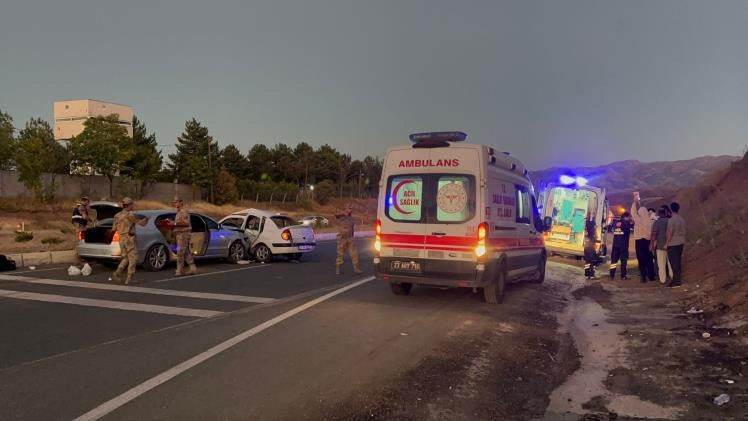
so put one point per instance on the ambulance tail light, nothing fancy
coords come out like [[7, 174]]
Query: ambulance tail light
[[378, 237], [480, 249], [115, 237]]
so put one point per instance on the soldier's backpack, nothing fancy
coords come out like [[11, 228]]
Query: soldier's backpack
[[6, 264]]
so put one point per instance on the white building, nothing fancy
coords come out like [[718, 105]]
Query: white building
[[70, 115]]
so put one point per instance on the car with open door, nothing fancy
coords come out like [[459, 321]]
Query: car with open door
[[270, 234], [155, 241]]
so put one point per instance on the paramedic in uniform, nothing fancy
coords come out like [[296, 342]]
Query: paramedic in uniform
[[124, 223], [182, 232], [83, 217], [345, 239]]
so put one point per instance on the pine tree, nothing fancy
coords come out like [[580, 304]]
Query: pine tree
[[197, 158], [146, 161], [7, 142]]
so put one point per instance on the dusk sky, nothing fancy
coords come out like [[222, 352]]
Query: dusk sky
[[557, 83]]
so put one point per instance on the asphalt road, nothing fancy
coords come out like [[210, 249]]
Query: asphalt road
[[282, 340]]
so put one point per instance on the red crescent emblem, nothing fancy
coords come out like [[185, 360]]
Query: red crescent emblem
[[394, 193]]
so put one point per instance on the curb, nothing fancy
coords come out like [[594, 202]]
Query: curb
[[331, 236], [43, 258]]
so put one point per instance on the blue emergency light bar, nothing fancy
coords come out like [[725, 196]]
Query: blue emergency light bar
[[438, 137], [568, 180]]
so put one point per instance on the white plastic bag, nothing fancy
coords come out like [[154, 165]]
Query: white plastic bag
[[74, 271], [86, 270]]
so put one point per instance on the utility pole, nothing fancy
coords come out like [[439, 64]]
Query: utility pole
[[210, 170]]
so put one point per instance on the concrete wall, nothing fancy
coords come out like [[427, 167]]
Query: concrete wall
[[96, 187]]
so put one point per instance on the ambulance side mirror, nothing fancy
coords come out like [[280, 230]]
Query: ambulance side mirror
[[547, 223]]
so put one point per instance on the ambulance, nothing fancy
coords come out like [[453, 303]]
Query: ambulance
[[568, 204], [455, 214]]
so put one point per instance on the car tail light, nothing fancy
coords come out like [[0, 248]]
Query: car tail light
[[378, 236], [80, 235], [286, 235], [480, 249], [115, 237]]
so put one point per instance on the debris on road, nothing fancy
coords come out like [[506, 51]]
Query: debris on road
[[694, 310], [706, 335], [722, 399], [86, 271], [403, 334], [74, 271], [242, 262]]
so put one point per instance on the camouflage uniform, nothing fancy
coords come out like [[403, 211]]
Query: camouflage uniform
[[345, 241], [83, 218], [124, 224], [182, 232]]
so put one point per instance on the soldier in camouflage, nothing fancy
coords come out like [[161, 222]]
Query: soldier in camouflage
[[346, 226], [182, 232], [84, 217], [124, 224]]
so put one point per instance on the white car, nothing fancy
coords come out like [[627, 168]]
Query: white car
[[271, 234], [315, 220]]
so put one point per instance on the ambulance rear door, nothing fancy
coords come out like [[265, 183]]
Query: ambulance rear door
[[453, 215]]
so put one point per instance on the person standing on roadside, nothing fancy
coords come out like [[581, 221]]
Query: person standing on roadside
[[346, 226], [676, 239], [84, 217], [182, 234], [658, 243], [642, 234], [620, 251], [590, 241], [124, 224]]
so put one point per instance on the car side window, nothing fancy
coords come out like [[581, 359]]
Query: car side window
[[232, 222], [253, 223], [212, 225], [198, 225]]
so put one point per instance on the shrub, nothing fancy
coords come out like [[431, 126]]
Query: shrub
[[323, 191], [23, 237], [51, 240]]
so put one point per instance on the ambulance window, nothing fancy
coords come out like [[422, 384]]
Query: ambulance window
[[454, 199], [405, 198], [524, 207]]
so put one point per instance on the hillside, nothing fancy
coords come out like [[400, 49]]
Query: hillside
[[653, 179]]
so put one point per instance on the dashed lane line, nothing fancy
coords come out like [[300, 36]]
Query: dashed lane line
[[115, 305], [140, 290]]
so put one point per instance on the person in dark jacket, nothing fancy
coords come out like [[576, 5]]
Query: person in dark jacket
[[621, 230], [590, 254]]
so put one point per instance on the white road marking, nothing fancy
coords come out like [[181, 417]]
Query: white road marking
[[141, 290], [114, 403], [39, 270], [210, 273], [116, 305]]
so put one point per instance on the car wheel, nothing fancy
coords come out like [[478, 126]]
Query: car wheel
[[541, 271], [401, 289], [263, 253], [237, 252], [156, 258], [494, 292]]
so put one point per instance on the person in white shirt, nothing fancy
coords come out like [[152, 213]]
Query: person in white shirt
[[642, 234]]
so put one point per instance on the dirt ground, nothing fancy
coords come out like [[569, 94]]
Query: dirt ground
[[573, 349]]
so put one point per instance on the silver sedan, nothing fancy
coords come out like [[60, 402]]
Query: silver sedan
[[155, 240]]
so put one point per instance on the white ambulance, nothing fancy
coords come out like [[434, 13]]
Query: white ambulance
[[458, 215]]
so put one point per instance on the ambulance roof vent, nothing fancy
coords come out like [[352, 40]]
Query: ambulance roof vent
[[436, 139]]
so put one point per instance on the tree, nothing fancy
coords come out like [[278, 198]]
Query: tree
[[260, 162], [234, 162], [37, 152], [7, 142], [102, 147], [283, 162], [146, 161], [304, 157], [326, 164], [225, 188], [344, 168], [324, 191], [197, 158]]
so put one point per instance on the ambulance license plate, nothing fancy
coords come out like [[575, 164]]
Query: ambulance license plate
[[405, 266]]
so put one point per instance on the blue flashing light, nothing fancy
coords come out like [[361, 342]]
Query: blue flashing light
[[391, 201], [581, 181], [566, 180]]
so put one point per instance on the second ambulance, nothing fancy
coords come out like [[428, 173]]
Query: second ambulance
[[458, 215]]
